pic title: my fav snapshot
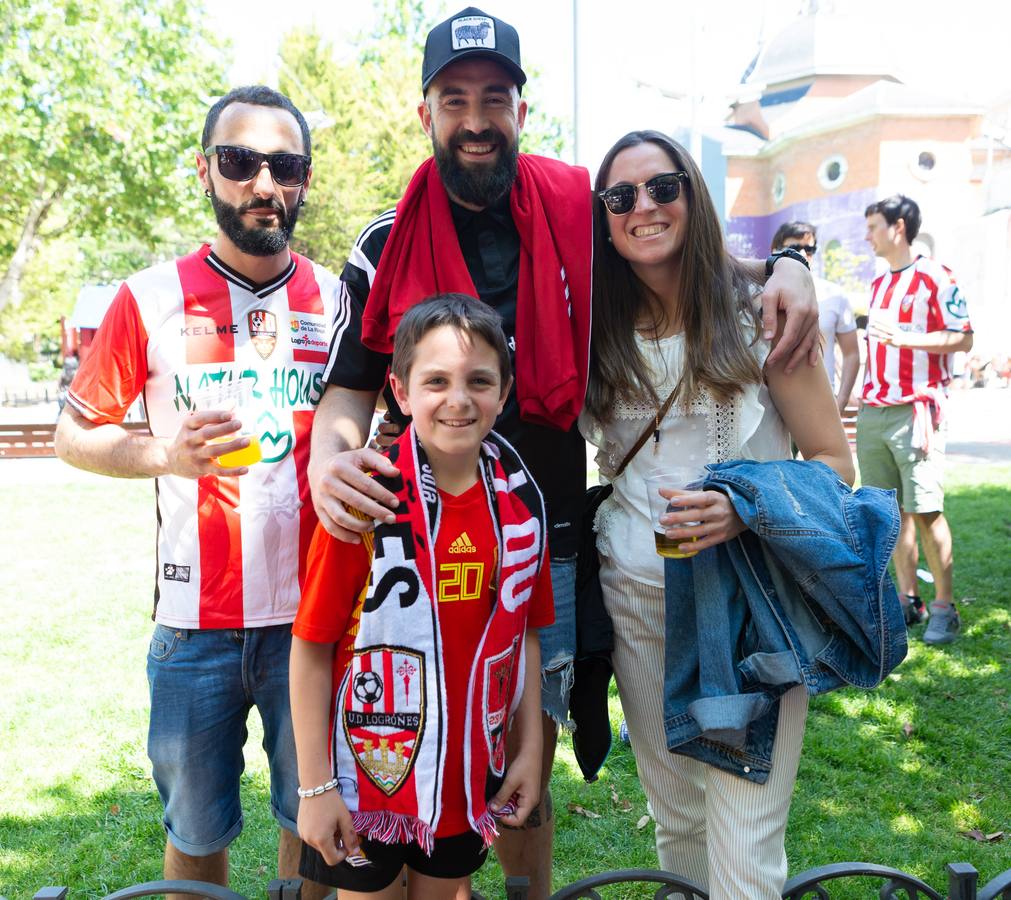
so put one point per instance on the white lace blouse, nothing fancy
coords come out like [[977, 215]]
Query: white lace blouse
[[748, 427]]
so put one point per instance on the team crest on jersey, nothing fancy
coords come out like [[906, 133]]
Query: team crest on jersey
[[384, 713], [498, 676], [263, 331]]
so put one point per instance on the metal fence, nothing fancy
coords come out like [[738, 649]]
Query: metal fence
[[815, 884]]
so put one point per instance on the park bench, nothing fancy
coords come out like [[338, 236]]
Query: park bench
[[35, 440]]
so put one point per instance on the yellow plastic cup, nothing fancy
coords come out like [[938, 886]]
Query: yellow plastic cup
[[244, 457], [234, 396]]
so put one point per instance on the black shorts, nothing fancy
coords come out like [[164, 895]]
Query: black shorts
[[457, 856]]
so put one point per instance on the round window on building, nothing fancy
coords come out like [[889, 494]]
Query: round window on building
[[832, 172], [924, 164], [778, 188]]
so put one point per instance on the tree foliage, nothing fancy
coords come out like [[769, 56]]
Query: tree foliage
[[371, 144], [103, 101], [372, 140], [847, 269]]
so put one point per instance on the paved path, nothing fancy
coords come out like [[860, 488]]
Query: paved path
[[979, 425]]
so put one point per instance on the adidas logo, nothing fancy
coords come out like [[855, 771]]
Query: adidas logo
[[462, 544]]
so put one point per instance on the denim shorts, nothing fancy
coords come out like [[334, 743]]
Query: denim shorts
[[558, 643], [203, 684]]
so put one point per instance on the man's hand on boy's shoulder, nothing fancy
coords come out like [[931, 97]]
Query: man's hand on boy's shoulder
[[348, 499]]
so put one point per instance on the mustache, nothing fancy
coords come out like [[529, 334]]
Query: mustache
[[488, 136], [273, 203]]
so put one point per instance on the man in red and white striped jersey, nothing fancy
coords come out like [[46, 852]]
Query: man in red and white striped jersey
[[916, 320], [234, 336]]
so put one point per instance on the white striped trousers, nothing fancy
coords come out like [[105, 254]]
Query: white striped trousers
[[718, 829]]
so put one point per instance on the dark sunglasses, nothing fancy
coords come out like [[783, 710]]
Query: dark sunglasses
[[809, 249], [242, 164], [662, 188]]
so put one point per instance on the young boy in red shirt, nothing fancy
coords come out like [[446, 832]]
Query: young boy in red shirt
[[416, 649]]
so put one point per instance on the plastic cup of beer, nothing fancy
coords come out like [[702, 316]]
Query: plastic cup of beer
[[234, 396], [681, 478]]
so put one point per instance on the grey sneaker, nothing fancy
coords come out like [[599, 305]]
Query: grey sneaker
[[943, 626]]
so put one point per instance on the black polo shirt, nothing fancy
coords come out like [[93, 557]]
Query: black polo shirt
[[490, 246]]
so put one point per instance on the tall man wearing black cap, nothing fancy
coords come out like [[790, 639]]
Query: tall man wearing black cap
[[515, 230]]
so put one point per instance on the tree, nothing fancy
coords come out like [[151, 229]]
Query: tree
[[103, 101], [363, 160], [847, 269], [372, 143]]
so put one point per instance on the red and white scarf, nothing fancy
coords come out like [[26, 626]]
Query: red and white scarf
[[550, 205], [391, 714], [928, 414]]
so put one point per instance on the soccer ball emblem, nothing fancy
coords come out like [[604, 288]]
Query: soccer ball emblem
[[368, 687]]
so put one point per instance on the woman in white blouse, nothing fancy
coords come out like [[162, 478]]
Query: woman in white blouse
[[674, 311]]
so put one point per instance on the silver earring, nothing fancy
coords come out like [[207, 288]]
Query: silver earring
[[301, 201], [609, 239], [207, 194]]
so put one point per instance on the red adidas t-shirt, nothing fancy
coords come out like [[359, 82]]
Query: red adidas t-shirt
[[465, 563]]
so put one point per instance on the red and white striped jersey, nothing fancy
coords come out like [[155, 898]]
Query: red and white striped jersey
[[231, 551], [920, 298]]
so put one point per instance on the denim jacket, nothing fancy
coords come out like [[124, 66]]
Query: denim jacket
[[802, 597]]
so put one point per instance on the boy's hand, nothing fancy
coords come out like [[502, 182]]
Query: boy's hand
[[522, 786], [325, 823], [386, 434]]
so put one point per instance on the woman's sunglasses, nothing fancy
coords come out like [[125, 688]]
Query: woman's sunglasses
[[242, 164], [662, 188]]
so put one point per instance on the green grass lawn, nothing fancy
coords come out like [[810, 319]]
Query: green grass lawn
[[891, 776]]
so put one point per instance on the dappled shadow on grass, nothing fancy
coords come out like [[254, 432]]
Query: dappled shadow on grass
[[98, 842], [596, 825], [93, 843], [892, 776]]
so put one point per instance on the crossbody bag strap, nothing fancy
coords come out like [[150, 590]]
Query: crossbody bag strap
[[653, 428]]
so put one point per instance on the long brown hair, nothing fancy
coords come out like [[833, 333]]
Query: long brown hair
[[714, 290]]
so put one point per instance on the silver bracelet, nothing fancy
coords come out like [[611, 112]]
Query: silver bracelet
[[319, 789]]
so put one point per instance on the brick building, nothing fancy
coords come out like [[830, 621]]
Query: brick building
[[824, 124]]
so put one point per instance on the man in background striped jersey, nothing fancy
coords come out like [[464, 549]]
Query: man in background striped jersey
[[916, 320]]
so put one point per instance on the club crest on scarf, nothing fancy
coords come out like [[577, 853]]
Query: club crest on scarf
[[392, 704], [497, 681], [384, 712]]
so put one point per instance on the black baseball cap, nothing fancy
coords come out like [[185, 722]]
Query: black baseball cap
[[471, 33]]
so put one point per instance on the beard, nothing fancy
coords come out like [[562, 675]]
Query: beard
[[477, 184], [256, 241]]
